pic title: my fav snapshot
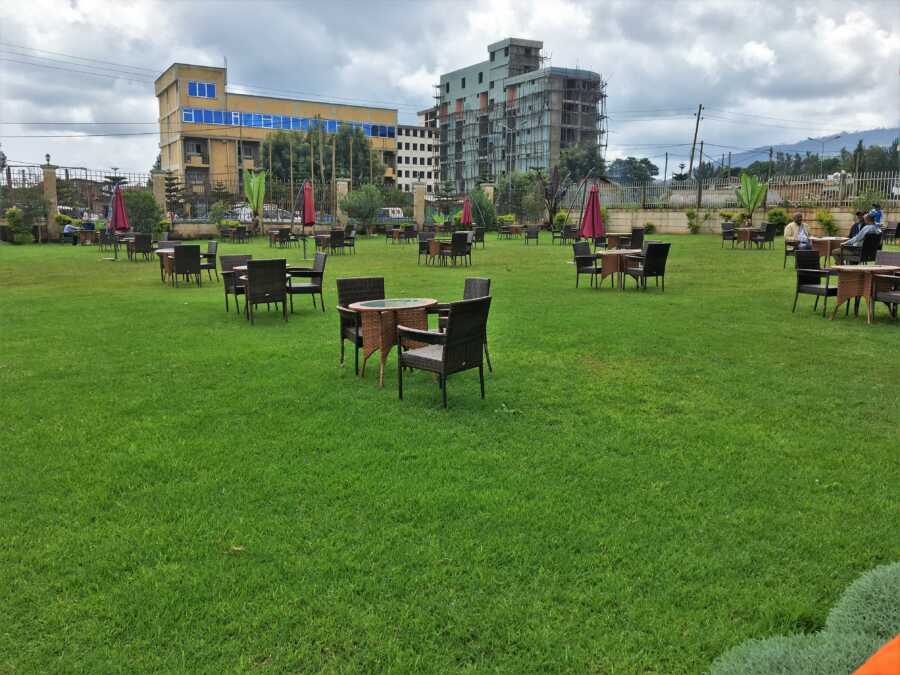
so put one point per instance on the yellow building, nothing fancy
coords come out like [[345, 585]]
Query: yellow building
[[207, 134]]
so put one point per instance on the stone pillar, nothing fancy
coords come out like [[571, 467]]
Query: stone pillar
[[341, 190], [50, 195], [488, 189], [419, 204], [158, 184]]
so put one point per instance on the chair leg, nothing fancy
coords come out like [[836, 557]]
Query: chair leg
[[796, 295], [226, 302], [444, 390], [291, 295], [816, 304], [481, 378], [356, 358], [487, 355], [322, 302], [399, 378]]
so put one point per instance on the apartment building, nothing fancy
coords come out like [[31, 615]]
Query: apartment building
[[207, 133], [512, 112], [417, 157]]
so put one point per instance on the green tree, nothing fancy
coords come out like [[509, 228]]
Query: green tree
[[483, 209], [174, 193], [751, 194], [580, 161], [217, 213], [391, 196], [632, 170], [143, 212], [363, 204], [255, 192]]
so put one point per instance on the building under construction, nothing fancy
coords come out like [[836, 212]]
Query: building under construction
[[514, 112]]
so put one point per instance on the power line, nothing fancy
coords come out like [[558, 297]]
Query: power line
[[72, 56]]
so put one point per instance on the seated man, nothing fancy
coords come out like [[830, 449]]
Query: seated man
[[796, 231], [857, 225], [852, 245], [876, 213], [72, 231]]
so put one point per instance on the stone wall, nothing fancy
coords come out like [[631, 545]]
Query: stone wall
[[674, 221]]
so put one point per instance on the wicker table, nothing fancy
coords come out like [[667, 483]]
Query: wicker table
[[613, 262], [87, 237], [380, 319], [826, 246], [856, 281], [745, 233], [165, 262], [613, 239]]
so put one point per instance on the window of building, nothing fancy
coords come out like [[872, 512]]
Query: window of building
[[447, 87], [202, 89], [415, 146], [506, 51], [491, 85], [492, 55], [187, 115], [194, 148], [428, 175], [430, 148], [480, 78], [428, 187], [415, 160], [527, 51], [462, 83]]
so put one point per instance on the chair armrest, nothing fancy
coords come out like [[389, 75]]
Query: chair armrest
[[430, 337], [635, 257], [303, 272], [821, 272], [440, 308]]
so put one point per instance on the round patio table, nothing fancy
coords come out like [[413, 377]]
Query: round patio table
[[856, 281], [613, 263], [826, 246], [380, 319], [613, 239]]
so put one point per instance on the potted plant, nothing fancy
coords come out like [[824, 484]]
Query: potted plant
[[750, 195], [826, 221]]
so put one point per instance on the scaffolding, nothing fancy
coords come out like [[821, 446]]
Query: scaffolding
[[542, 112]]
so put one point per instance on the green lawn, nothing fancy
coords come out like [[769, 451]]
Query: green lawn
[[653, 478]]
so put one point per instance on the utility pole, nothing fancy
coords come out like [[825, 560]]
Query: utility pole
[[700, 177], [352, 134], [769, 170], [291, 163], [666, 169], [694, 142], [729, 163], [333, 183]]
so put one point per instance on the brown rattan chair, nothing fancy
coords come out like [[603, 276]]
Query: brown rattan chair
[[186, 264], [533, 233], [315, 274], [460, 348], [358, 289], [140, 245], [765, 235], [474, 287], [585, 261], [425, 239], [459, 248], [728, 234], [266, 283], [809, 279], [859, 255], [209, 259], [232, 281], [478, 233], [336, 241], [651, 264], [637, 238]]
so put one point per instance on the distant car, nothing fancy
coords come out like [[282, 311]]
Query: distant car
[[390, 213]]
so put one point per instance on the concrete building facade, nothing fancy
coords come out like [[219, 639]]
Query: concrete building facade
[[513, 113], [207, 132], [417, 158]]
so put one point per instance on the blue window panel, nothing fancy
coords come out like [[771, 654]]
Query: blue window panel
[[218, 117], [192, 88], [257, 120], [295, 123], [210, 90], [390, 132], [207, 116], [267, 121], [201, 89], [367, 129], [332, 126], [304, 123], [187, 115], [246, 120], [235, 119], [382, 131], [276, 122]]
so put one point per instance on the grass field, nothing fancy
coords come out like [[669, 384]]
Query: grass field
[[653, 478]]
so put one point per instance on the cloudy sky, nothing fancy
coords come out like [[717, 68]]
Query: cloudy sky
[[766, 72]]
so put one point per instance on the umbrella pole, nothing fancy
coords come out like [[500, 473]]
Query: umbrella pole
[[583, 199]]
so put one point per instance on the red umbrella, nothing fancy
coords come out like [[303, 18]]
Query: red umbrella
[[467, 213], [309, 208], [592, 222], [119, 216]]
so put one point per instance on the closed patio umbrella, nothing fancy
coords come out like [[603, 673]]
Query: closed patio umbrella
[[592, 221], [309, 207], [466, 218], [118, 219]]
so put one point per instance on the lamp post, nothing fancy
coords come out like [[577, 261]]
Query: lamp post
[[822, 141]]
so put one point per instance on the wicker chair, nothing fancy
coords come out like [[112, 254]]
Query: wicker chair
[[887, 287], [336, 241], [459, 248], [140, 245], [728, 234], [652, 263], [859, 255], [232, 281], [533, 233], [478, 236], [241, 235], [425, 239], [315, 274], [350, 241], [809, 279], [408, 234], [186, 263], [474, 287], [209, 259], [889, 233], [637, 238], [790, 250], [352, 290], [266, 283], [585, 261], [460, 348], [765, 236]]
